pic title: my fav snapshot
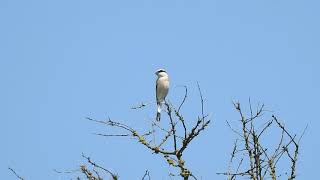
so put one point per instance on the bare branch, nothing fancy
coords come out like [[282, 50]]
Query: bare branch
[[146, 174], [15, 173], [173, 155], [261, 160], [141, 105], [113, 175], [184, 98]]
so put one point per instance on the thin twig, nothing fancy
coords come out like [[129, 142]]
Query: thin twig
[[15, 173]]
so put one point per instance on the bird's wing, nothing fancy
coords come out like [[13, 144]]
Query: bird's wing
[[157, 91]]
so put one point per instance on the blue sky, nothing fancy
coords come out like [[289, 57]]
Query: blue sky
[[62, 61]]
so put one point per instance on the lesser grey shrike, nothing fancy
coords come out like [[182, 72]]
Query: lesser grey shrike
[[162, 89]]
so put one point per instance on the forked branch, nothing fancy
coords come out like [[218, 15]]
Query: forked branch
[[177, 132], [261, 160]]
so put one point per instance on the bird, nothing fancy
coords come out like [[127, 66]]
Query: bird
[[162, 89]]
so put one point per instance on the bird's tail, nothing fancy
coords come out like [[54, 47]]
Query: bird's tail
[[159, 107], [158, 111]]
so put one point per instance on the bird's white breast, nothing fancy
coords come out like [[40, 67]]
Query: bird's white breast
[[162, 87]]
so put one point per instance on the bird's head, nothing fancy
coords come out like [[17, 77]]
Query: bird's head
[[161, 73]]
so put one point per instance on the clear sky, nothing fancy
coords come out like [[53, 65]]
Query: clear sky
[[61, 61]]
